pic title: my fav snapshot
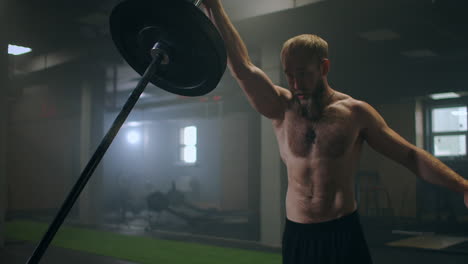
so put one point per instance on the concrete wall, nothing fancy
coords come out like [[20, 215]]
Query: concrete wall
[[44, 131], [3, 128], [235, 162]]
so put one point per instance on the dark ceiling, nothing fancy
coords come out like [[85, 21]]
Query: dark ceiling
[[53, 24], [432, 33]]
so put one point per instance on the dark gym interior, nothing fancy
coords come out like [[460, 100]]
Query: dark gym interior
[[205, 170]]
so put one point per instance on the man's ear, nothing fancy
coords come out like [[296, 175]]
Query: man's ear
[[325, 67]]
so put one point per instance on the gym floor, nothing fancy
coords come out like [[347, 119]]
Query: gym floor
[[18, 251]]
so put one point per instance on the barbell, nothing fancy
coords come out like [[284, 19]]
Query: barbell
[[193, 50], [170, 43]]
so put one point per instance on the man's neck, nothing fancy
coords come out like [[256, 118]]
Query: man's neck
[[316, 108]]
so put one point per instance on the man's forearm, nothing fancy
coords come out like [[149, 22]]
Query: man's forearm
[[238, 57], [432, 170]]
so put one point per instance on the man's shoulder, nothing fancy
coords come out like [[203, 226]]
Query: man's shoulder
[[358, 109], [363, 112], [346, 101], [355, 105]]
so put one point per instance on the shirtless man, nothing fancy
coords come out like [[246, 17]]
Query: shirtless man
[[320, 133]]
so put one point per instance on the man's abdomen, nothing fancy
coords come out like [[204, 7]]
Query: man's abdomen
[[319, 196]]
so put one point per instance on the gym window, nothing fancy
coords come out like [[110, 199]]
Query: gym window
[[188, 145], [447, 128]]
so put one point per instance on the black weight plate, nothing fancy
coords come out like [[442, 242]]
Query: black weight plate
[[196, 49]]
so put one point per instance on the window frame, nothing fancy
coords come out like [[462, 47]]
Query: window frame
[[429, 135]]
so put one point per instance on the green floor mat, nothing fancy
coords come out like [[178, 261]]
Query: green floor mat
[[143, 250]]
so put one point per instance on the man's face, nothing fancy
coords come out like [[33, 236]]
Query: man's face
[[304, 77]]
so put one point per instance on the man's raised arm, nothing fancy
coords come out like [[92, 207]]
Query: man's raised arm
[[387, 142], [268, 99]]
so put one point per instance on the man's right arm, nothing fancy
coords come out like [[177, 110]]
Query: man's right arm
[[268, 99]]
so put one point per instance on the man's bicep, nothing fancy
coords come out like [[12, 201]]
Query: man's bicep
[[383, 139], [267, 98]]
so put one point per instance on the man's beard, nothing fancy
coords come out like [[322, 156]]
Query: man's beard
[[314, 106]]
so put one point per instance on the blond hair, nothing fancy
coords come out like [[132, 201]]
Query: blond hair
[[311, 45]]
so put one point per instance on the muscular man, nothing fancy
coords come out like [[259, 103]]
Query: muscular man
[[320, 133]]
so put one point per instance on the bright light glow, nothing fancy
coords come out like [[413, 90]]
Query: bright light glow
[[189, 136], [134, 124], [459, 113], [444, 96], [133, 137], [144, 95], [138, 123], [188, 140], [189, 154], [17, 50], [445, 146], [449, 119]]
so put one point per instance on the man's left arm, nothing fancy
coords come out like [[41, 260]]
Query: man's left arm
[[387, 142]]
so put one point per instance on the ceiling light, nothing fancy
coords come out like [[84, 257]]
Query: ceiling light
[[444, 96], [17, 50]]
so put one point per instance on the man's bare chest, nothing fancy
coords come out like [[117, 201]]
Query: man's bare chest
[[329, 137]]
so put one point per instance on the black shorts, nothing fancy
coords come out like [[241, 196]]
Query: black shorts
[[336, 241]]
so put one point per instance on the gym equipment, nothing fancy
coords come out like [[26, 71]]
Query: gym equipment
[[175, 203], [173, 45], [194, 57]]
